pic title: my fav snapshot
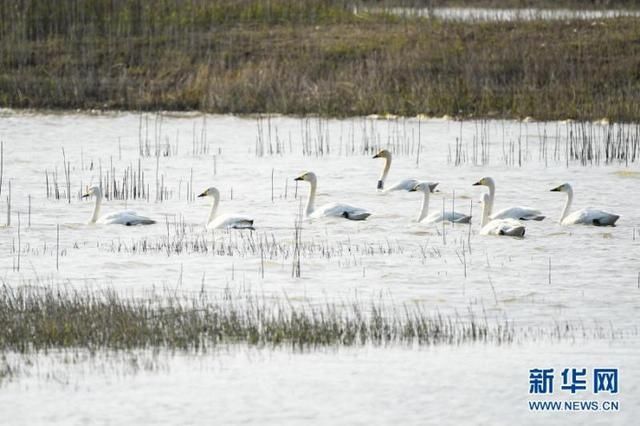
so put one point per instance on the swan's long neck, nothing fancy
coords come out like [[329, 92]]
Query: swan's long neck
[[425, 206], [567, 205], [312, 197], [492, 196], [385, 172], [96, 208], [486, 211], [214, 207]]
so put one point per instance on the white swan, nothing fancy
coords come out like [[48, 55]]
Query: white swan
[[403, 185], [518, 213], [224, 221], [439, 216], [124, 217], [583, 216], [332, 209], [501, 227]]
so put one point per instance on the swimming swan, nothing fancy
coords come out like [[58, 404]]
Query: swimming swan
[[439, 216], [518, 213], [124, 217], [403, 185], [224, 221], [583, 216], [507, 227], [332, 209]]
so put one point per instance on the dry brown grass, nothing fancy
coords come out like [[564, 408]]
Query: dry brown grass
[[330, 63]]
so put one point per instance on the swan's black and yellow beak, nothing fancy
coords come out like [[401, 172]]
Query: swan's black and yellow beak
[[376, 156], [204, 194], [413, 189], [300, 178], [556, 189], [478, 183], [87, 195]]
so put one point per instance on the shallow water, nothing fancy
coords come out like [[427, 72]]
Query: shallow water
[[523, 14], [469, 384], [586, 276]]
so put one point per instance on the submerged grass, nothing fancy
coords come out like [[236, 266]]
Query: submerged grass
[[41, 318], [319, 57]]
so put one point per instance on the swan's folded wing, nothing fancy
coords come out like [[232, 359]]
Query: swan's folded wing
[[230, 222], [448, 216], [518, 213], [340, 210], [403, 185], [457, 217], [125, 217]]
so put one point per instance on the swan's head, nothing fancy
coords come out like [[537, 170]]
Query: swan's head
[[210, 192], [308, 176], [565, 187], [485, 181], [92, 190], [424, 187], [383, 153]]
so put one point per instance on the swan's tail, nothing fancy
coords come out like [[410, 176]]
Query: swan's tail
[[141, 221], [244, 224], [463, 219], [533, 217], [356, 215], [516, 231], [609, 220]]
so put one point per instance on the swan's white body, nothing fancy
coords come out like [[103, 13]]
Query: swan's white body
[[583, 216], [517, 213], [403, 185], [340, 210], [224, 221], [332, 209], [505, 227], [439, 216], [501, 227], [124, 217]]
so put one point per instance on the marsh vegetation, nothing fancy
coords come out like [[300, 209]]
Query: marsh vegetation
[[316, 57]]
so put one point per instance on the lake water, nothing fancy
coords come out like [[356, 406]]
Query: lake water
[[448, 385], [509, 15], [584, 276]]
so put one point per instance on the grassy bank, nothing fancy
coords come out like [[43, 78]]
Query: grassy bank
[[296, 57]]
